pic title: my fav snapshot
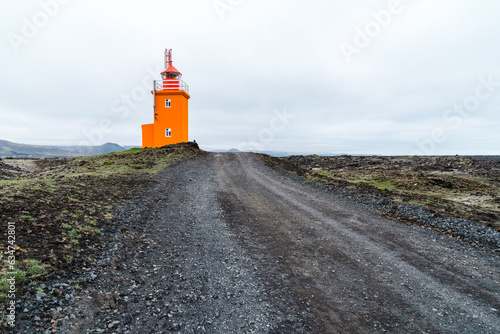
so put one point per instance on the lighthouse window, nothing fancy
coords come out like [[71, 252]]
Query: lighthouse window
[[168, 132], [168, 103]]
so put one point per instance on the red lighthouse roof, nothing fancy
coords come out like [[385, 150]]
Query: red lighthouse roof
[[171, 69], [171, 76]]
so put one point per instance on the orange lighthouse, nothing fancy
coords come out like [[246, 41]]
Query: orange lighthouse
[[170, 96]]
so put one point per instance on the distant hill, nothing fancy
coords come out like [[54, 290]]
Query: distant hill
[[10, 149], [128, 147], [92, 150]]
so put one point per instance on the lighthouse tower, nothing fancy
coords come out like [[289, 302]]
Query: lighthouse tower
[[170, 98]]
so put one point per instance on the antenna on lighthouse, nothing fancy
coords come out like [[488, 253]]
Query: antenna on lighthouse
[[168, 57]]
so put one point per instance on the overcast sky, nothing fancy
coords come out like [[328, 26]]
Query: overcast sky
[[326, 76]]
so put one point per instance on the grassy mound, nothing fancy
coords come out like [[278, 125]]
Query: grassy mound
[[59, 207]]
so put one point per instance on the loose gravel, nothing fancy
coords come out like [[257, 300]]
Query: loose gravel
[[223, 244], [169, 264], [465, 230]]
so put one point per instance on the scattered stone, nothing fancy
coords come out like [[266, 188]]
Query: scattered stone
[[113, 324], [40, 295]]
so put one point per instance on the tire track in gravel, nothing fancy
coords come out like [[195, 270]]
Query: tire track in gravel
[[366, 274], [223, 244], [171, 264]]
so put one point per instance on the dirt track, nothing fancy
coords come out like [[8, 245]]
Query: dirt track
[[223, 244], [358, 272]]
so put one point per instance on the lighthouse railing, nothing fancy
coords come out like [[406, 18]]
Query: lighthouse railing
[[171, 84]]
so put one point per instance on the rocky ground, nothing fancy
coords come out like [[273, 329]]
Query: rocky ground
[[9, 171], [222, 244], [59, 208], [454, 188]]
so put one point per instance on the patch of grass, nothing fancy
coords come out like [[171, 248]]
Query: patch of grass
[[74, 234], [135, 150], [18, 274], [29, 268], [5, 275], [4, 285], [355, 179], [35, 268], [132, 161], [383, 185], [324, 172], [28, 217], [90, 220], [75, 198]]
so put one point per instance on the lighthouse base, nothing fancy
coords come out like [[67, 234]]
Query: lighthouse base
[[148, 135], [170, 120]]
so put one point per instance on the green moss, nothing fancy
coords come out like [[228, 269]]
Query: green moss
[[30, 268], [324, 172], [383, 185], [28, 217], [35, 268]]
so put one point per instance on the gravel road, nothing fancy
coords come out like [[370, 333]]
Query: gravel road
[[223, 244]]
